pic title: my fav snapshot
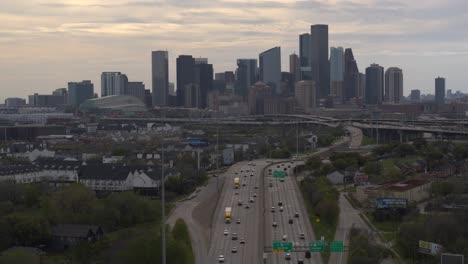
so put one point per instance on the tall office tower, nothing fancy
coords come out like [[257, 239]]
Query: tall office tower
[[361, 93], [319, 59], [204, 80], [394, 85], [15, 102], [270, 68], [440, 90], [246, 76], [220, 76], [172, 90], [62, 92], [230, 78], [305, 95], [109, 82], [160, 77], [192, 96], [295, 67], [287, 84], [78, 92], [136, 89], [351, 76], [257, 95], [304, 56], [415, 96], [201, 60], [336, 71], [374, 84], [185, 76]]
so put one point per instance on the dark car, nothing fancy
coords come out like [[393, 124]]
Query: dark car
[[291, 221]]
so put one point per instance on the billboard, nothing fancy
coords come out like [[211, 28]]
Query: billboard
[[446, 258], [385, 203], [429, 248]]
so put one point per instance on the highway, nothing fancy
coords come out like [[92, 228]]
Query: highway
[[250, 219], [289, 194]]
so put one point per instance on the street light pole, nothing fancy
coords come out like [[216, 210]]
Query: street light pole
[[217, 149], [163, 210], [297, 138]]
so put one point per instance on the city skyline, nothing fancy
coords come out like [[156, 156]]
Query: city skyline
[[50, 44]]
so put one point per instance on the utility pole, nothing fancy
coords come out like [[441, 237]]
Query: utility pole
[[217, 149], [163, 210], [297, 138]]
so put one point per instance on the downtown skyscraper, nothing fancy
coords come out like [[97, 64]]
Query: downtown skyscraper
[[185, 76], [270, 68], [320, 67], [374, 84], [304, 56], [351, 85], [246, 76], [113, 83], [336, 71], [394, 85], [440, 90], [160, 77]]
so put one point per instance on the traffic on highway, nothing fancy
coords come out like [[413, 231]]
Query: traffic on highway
[[261, 204]]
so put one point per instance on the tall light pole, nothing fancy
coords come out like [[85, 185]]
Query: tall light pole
[[297, 138], [217, 149], [163, 209]]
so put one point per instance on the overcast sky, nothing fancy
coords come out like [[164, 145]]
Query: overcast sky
[[46, 43]]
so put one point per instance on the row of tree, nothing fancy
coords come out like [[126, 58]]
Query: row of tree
[[28, 212]]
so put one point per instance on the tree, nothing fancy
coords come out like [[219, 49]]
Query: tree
[[403, 150], [442, 189], [19, 257], [26, 229], [74, 203], [313, 163], [373, 168]]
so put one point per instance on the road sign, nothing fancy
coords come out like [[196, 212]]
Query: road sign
[[279, 174], [337, 246], [281, 246], [317, 246]]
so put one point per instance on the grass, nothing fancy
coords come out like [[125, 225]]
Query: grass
[[353, 201], [386, 226], [366, 141], [321, 228]]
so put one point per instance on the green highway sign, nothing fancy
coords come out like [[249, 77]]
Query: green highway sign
[[279, 174], [280, 246], [337, 246], [317, 246]]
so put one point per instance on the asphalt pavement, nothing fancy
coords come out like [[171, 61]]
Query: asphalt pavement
[[250, 218], [289, 195]]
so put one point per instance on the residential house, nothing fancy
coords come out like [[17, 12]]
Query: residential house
[[65, 236]]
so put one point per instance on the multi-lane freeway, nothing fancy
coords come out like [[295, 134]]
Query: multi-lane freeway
[[254, 229], [285, 216], [246, 204]]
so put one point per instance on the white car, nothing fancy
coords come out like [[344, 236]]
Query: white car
[[234, 249], [226, 232], [281, 208], [221, 259], [288, 256], [285, 237], [272, 209]]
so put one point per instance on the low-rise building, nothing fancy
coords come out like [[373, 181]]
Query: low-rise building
[[65, 236], [412, 190]]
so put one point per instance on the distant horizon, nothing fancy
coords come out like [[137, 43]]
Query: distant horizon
[[48, 44]]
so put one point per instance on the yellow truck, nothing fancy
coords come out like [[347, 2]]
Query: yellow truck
[[228, 215], [236, 183]]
